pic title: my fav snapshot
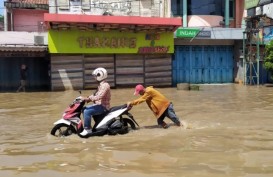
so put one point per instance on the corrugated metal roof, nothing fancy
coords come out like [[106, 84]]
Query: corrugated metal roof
[[31, 1], [23, 48]]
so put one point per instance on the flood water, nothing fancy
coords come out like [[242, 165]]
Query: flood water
[[228, 132]]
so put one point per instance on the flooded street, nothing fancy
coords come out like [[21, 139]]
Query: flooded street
[[229, 132]]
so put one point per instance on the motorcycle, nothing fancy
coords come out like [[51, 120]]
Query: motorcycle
[[117, 120]]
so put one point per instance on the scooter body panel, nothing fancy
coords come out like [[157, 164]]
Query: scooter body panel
[[110, 116], [62, 121], [75, 120]]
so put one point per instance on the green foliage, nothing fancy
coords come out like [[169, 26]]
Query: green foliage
[[268, 62], [1, 18]]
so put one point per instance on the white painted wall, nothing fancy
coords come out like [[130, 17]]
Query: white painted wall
[[21, 38], [147, 8], [268, 10]]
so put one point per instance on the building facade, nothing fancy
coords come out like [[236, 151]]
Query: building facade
[[151, 42], [24, 41], [208, 45], [132, 39]]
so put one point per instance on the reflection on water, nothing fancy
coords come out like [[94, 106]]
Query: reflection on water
[[229, 133]]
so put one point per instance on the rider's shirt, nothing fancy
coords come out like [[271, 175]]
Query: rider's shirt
[[103, 95]]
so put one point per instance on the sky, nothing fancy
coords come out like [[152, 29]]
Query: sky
[[1, 7]]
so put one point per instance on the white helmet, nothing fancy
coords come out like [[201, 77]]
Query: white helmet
[[100, 74]]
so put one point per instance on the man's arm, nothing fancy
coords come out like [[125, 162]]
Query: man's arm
[[140, 99]]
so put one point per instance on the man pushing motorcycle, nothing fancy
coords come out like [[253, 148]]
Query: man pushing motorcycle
[[157, 102], [101, 99]]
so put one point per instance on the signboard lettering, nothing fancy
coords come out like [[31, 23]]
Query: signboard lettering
[[204, 34], [187, 32], [111, 42], [157, 49], [192, 32]]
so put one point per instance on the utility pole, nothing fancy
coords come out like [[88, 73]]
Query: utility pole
[[251, 48]]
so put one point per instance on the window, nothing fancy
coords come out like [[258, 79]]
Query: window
[[231, 9], [206, 7], [202, 7], [86, 4], [63, 4], [177, 7]]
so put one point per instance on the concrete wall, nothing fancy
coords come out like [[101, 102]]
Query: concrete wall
[[28, 20], [21, 38], [204, 20], [146, 8], [239, 14]]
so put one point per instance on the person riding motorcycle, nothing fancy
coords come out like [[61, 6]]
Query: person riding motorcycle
[[101, 99]]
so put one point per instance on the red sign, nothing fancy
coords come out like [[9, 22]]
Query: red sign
[[156, 49]]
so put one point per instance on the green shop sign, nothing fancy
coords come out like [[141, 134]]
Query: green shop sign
[[251, 3], [74, 41], [187, 32]]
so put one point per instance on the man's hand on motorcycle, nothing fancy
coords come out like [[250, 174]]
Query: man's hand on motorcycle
[[79, 98], [86, 99], [129, 106]]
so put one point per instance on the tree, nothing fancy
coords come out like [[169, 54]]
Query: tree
[[1, 18], [268, 62]]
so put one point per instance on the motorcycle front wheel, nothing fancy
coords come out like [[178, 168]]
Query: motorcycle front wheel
[[60, 130]]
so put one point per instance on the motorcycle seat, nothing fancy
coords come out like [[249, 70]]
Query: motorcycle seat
[[100, 116], [117, 107]]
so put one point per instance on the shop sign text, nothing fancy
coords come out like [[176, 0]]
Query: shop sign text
[[156, 49], [187, 32], [120, 42], [107, 42]]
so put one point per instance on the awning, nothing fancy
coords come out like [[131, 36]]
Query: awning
[[23, 48], [23, 51], [27, 4], [107, 23]]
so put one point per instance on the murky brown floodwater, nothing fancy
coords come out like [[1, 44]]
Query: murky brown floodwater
[[230, 133]]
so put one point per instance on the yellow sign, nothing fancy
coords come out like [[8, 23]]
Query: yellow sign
[[87, 42]]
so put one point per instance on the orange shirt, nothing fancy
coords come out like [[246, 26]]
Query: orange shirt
[[157, 102]]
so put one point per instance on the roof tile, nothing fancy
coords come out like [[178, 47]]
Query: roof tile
[[32, 1]]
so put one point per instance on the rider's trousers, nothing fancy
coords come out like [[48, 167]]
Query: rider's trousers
[[90, 111]]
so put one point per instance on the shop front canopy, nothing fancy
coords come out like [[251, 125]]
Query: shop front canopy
[[108, 23]]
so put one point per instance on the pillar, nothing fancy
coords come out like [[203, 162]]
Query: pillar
[[185, 14], [227, 13]]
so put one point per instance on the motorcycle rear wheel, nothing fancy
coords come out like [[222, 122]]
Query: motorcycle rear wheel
[[61, 130], [129, 123]]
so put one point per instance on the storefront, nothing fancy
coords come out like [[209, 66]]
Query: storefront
[[133, 49], [37, 62], [206, 56]]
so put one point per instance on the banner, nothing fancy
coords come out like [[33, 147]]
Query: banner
[[268, 34], [111, 42]]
